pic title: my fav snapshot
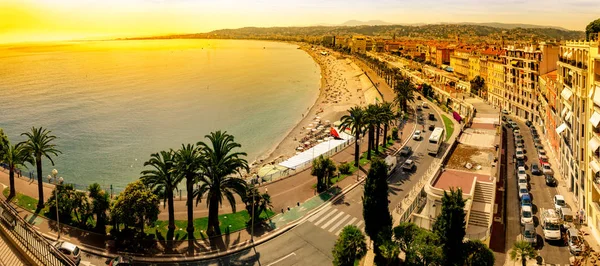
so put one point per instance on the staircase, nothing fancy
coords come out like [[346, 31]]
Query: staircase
[[481, 209]]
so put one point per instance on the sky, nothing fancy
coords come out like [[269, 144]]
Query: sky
[[49, 20]]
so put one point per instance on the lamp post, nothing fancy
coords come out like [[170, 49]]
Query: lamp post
[[56, 182]]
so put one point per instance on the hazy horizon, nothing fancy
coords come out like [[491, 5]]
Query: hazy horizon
[[53, 20]]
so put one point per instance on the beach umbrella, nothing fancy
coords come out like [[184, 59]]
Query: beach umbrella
[[308, 128], [310, 125], [327, 122], [307, 143], [299, 148], [313, 130], [320, 140]]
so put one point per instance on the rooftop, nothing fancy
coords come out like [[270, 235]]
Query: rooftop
[[459, 179]]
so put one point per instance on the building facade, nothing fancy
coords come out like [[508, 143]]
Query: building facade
[[459, 61]]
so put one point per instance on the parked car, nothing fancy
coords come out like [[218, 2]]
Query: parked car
[[542, 154], [523, 181], [528, 123], [405, 151], [520, 145], [504, 111], [526, 200], [431, 117], [535, 169], [566, 214], [509, 124], [520, 154], [424, 104], [503, 118], [515, 126], [120, 261], [522, 190], [517, 132], [559, 202], [529, 234], [408, 165], [418, 97], [575, 241], [520, 163], [521, 173], [543, 161], [546, 169], [69, 249], [431, 127], [526, 215], [417, 135], [550, 180]]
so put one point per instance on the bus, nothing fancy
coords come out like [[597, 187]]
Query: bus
[[435, 141]]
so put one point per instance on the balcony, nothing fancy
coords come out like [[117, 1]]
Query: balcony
[[573, 63]]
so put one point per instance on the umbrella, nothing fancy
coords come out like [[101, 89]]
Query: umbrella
[[318, 117], [320, 127], [310, 125], [307, 143], [299, 148], [313, 130], [308, 128]]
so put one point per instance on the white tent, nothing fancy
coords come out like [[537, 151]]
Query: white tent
[[314, 152]]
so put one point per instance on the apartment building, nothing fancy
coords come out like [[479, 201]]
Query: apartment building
[[474, 65], [548, 99], [523, 65], [459, 61], [494, 79], [358, 44]]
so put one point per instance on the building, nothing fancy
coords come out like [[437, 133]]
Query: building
[[391, 46], [379, 46], [474, 65], [459, 61], [549, 105], [442, 55], [494, 80], [358, 44], [523, 65]]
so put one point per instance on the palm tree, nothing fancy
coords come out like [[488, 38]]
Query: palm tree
[[378, 120], [14, 156], [387, 117], [220, 164], [522, 250], [163, 180], [187, 164], [261, 202], [356, 121], [371, 122], [100, 204], [404, 92], [323, 168], [3, 142], [39, 144]]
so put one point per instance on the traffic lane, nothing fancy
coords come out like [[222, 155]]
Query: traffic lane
[[513, 215], [553, 252], [91, 259]]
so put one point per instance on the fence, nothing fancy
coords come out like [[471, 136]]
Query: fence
[[417, 195], [35, 245]]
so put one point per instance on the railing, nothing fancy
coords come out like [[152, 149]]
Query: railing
[[36, 246], [479, 236]]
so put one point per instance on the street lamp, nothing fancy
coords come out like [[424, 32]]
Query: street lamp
[[56, 182]]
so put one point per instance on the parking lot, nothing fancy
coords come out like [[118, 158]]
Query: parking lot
[[553, 252]]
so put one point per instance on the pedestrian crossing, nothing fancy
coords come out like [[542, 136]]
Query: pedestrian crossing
[[333, 220]]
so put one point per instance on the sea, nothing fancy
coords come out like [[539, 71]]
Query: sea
[[114, 103]]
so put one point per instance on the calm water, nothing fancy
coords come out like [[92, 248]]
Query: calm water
[[114, 103]]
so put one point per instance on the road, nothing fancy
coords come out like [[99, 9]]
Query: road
[[553, 252], [311, 242]]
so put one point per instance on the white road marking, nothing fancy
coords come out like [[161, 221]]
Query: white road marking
[[283, 258], [332, 220], [326, 216], [86, 263], [339, 223], [349, 223], [314, 217]]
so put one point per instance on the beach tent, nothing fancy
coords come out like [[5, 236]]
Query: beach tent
[[324, 147]]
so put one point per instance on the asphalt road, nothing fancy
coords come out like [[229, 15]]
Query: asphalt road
[[553, 252], [311, 242]]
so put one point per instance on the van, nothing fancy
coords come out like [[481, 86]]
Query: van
[[550, 222], [566, 214], [529, 234]]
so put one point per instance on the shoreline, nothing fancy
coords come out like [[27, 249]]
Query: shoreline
[[337, 74]]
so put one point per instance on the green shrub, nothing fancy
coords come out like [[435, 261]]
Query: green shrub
[[394, 133], [344, 168]]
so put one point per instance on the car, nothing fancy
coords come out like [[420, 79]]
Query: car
[[417, 135], [504, 111], [535, 169], [431, 117], [529, 234], [408, 165], [420, 118], [526, 215], [575, 242], [405, 151], [431, 127], [520, 145], [542, 154], [520, 154], [515, 126], [120, 261], [521, 172], [424, 104], [519, 141], [520, 163], [522, 190], [528, 123], [550, 180], [559, 202], [517, 132], [518, 138], [69, 249], [543, 161], [526, 200], [419, 108], [546, 169], [509, 124], [503, 118], [522, 181]]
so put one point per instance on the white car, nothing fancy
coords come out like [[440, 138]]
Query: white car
[[523, 190], [70, 250], [517, 132], [521, 172], [542, 154], [520, 154], [559, 202], [417, 135], [522, 181], [546, 169], [526, 215]]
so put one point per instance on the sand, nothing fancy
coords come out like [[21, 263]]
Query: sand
[[342, 87]]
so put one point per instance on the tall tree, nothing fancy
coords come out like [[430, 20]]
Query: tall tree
[[14, 156], [404, 90], [522, 250], [378, 220], [387, 117], [450, 227], [256, 203], [425, 249], [187, 165], [323, 168], [356, 121], [478, 254], [593, 27], [219, 166], [389, 251], [349, 247], [477, 85], [100, 204], [405, 234], [163, 180], [136, 206], [371, 122], [40, 143]]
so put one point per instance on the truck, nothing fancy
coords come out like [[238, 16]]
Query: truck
[[551, 223]]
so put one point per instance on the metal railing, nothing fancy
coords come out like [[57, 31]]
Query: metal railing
[[37, 247]]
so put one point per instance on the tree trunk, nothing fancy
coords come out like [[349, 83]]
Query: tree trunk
[[11, 177], [385, 130], [377, 139], [370, 143], [523, 261], [213, 217], [356, 148], [38, 165], [171, 210], [190, 209]]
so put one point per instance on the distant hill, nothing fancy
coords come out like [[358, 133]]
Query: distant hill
[[365, 23], [509, 25]]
